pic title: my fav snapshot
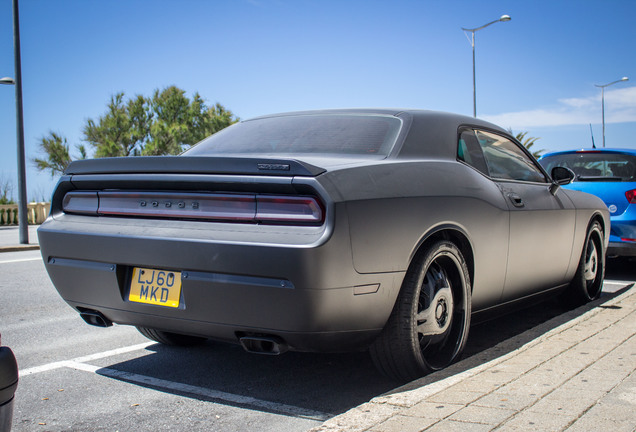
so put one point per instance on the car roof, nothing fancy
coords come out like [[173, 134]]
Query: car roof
[[421, 114], [593, 150], [430, 133], [385, 111]]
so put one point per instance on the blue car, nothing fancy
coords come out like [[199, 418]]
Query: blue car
[[609, 174]]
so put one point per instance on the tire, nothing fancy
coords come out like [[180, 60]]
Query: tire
[[429, 324], [588, 280], [167, 338]]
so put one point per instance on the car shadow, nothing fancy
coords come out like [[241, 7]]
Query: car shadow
[[478, 351], [542, 316], [621, 268], [327, 384], [323, 383]]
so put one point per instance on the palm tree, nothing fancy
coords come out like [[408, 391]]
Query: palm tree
[[528, 143]]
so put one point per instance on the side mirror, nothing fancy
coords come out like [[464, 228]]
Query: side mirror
[[561, 176]]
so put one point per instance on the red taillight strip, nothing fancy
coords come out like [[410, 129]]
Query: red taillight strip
[[288, 209], [220, 207], [80, 202], [189, 206], [631, 196]]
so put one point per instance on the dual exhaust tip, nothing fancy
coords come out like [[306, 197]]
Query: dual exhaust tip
[[267, 345], [95, 318]]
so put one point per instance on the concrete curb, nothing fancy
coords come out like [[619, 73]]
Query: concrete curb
[[19, 248], [393, 410]]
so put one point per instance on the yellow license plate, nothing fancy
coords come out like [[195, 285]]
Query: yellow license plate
[[157, 287]]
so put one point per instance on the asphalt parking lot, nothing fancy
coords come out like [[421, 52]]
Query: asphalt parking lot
[[78, 377]]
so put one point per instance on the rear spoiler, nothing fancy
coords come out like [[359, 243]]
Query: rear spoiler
[[193, 165]]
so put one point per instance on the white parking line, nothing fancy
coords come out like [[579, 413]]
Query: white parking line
[[43, 368], [101, 355], [611, 286], [21, 260], [80, 364], [114, 352], [201, 391]]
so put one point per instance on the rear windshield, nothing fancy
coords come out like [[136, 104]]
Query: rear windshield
[[362, 135], [590, 166]]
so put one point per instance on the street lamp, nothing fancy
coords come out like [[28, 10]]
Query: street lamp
[[23, 221], [603, 100], [503, 18]]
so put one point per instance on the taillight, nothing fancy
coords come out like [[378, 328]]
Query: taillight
[[177, 205], [80, 202], [254, 208], [288, 209], [631, 196]]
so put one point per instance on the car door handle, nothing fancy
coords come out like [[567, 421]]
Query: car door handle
[[516, 200]]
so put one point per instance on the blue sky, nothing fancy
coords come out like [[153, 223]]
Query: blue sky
[[535, 73]]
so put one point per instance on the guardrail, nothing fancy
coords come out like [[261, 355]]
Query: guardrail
[[37, 212]]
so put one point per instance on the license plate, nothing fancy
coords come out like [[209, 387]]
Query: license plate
[[156, 287]]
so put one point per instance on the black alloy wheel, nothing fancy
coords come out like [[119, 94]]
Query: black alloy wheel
[[429, 324], [587, 283]]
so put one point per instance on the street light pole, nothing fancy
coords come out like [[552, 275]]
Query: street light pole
[[22, 195], [17, 81], [503, 18], [603, 101]]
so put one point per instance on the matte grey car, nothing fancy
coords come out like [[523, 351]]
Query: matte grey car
[[324, 231]]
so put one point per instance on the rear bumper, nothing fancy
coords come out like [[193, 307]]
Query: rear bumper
[[309, 295], [623, 227], [319, 341], [624, 249]]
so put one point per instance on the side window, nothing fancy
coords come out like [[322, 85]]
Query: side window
[[469, 151], [506, 160]]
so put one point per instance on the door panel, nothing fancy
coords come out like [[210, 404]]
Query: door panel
[[541, 224], [541, 233]]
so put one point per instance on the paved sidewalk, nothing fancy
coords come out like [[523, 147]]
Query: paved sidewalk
[[576, 373], [10, 239]]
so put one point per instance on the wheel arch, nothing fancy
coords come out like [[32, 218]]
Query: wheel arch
[[605, 229], [455, 235], [584, 286], [439, 318], [597, 217]]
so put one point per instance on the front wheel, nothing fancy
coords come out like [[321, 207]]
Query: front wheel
[[588, 280], [428, 327]]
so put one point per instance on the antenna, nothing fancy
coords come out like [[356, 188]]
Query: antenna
[[591, 133]]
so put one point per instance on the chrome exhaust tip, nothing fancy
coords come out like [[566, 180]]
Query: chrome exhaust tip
[[267, 345], [95, 318]]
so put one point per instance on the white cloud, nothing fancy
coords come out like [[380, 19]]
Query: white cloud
[[620, 107], [579, 102], [623, 98]]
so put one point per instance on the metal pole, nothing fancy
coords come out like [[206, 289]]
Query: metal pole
[[22, 195], [472, 31], [474, 79], [603, 112], [602, 87]]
